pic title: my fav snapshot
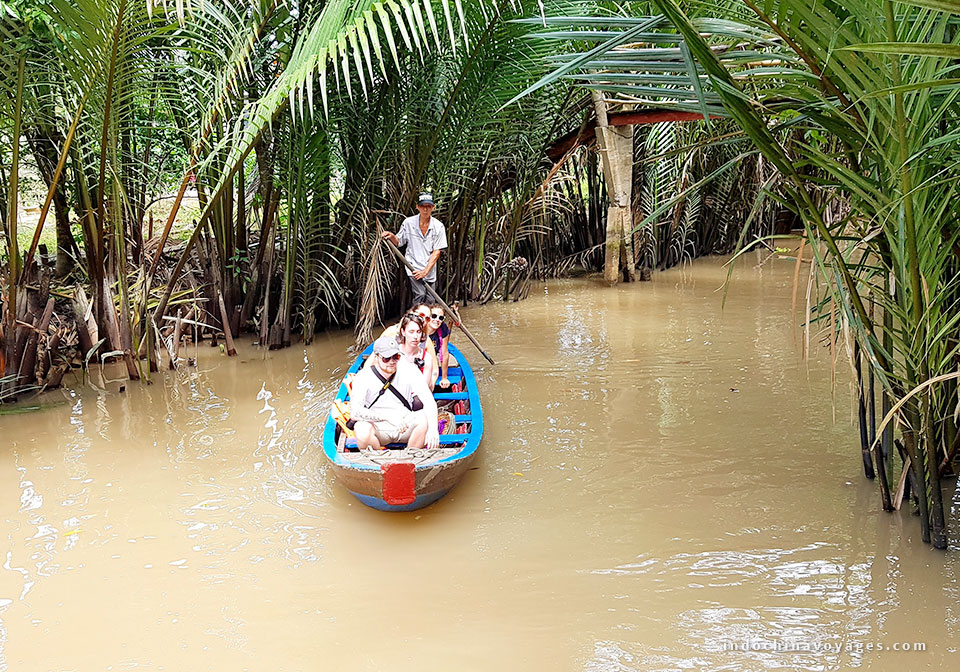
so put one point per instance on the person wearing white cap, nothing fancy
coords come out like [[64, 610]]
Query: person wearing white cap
[[425, 237], [391, 403]]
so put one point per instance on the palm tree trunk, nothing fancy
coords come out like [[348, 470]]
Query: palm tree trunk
[[46, 142], [101, 193], [241, 212], [11, 362]]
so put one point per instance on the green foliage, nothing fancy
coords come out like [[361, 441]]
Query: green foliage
[[859, 117]]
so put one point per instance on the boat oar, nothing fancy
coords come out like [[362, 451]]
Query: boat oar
[[450, 311]]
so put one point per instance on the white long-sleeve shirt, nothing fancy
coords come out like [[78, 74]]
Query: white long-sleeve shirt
[[408, 381]]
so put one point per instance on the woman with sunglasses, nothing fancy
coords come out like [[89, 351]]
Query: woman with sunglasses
[[420, 309], [414, 347], [439, 334]]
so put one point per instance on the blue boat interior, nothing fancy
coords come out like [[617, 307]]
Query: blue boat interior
[[467, 399]]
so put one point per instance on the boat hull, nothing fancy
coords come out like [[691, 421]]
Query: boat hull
[[397, 485], [433, 481]]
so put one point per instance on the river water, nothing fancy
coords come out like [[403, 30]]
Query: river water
[[664, 485]]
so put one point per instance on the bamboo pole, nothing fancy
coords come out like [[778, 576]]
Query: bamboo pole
[[447, 308]]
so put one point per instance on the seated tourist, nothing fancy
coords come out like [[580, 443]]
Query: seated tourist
[[421, 309], [416, 347], [439, 334], [391, 403], [432, 369]]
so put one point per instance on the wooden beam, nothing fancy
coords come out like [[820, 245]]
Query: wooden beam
[[588, 135]]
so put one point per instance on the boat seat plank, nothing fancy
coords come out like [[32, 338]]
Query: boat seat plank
[[454, 371], [445, 440]]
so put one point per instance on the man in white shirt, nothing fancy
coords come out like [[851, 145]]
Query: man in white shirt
[[425, 238], [384, 402]]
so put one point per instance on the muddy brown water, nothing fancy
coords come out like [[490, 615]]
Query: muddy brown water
[[664, 485]]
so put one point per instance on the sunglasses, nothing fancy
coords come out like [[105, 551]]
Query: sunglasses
[[392, 358], [439, 318]]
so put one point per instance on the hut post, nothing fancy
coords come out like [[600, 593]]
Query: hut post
[[616, 152]]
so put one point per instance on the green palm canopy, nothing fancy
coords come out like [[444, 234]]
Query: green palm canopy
[[856, 104]]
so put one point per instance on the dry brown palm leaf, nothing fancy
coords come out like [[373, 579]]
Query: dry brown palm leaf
[[375, 286]]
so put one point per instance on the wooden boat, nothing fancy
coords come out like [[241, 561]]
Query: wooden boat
[[402, 479]]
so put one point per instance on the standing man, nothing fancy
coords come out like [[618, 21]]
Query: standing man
[[425, 238]]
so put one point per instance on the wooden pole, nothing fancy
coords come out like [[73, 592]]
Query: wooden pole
[[616, 152], [447, 308]]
